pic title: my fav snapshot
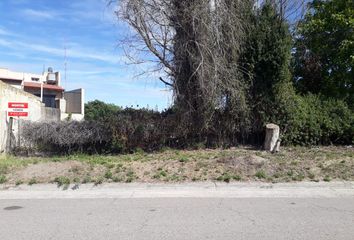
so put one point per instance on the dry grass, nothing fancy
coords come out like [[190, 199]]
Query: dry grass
[[237, 164]]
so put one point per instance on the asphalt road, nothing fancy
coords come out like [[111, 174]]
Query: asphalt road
[[151, 217]]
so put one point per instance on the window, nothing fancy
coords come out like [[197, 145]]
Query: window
[[35, 79]]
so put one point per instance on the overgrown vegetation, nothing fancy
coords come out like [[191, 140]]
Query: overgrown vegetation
[[228, 64]]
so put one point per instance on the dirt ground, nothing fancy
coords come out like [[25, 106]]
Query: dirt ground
[[236, 164]]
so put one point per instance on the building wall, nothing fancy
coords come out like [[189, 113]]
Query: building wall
[[75, 106], [7, 74], [37, 111], [50, 114]]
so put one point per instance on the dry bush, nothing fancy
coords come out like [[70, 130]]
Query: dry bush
[[65, 137]]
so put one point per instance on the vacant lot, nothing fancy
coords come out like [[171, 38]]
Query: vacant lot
[[236, 164]]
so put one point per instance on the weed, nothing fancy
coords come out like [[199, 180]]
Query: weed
[[19, 182], [201, 165], [87, 179], [130, 173], [174, 178], [108, 174], [199, 146], [261, 174], [183, 159], [32, 181], [311, 175], [160, 174], [110, 165], [119, 168], [75, 169], [139, 151], [327, 179], [194, 179], [129, 179], [299, 177], [236, 177], [130, 176], [2, 179], [76, 180], [3, 170], [117, 179], [227, 177], [270, 179], [62, 181], [98, 181], [276, 175], [165, 149]]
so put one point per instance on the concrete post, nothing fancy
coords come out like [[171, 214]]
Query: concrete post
[[272, 141]]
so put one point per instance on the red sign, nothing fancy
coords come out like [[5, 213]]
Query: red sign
[[17, 109], [17, 105], [18, 114]]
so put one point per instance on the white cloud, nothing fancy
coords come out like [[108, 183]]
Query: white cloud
[[39, 14], [3, 32], [5, 43], [83, 54]]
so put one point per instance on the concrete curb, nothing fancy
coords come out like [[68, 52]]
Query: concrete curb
[[185, 190]]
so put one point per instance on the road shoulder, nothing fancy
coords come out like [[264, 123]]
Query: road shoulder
[[186, 190]]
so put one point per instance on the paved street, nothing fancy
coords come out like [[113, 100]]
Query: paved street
[[152, 215]]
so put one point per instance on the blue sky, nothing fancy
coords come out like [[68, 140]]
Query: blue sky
[[34, 33]]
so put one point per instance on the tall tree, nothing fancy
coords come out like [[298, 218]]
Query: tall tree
[[324, 58], [267, 58], [197, 43]]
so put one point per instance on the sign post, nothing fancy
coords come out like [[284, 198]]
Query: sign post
[[17, 109]]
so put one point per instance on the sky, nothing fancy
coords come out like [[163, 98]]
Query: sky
[[35, 33]]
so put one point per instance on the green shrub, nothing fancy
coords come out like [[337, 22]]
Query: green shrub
[[315, 121], [97, 110]]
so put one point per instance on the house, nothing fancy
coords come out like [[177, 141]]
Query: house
[[47, 87]]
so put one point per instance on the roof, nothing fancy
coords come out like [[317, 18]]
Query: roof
[[45, 86], [10, 79]]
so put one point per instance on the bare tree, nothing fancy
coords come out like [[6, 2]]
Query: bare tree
[[152, 35], [196, 43]]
